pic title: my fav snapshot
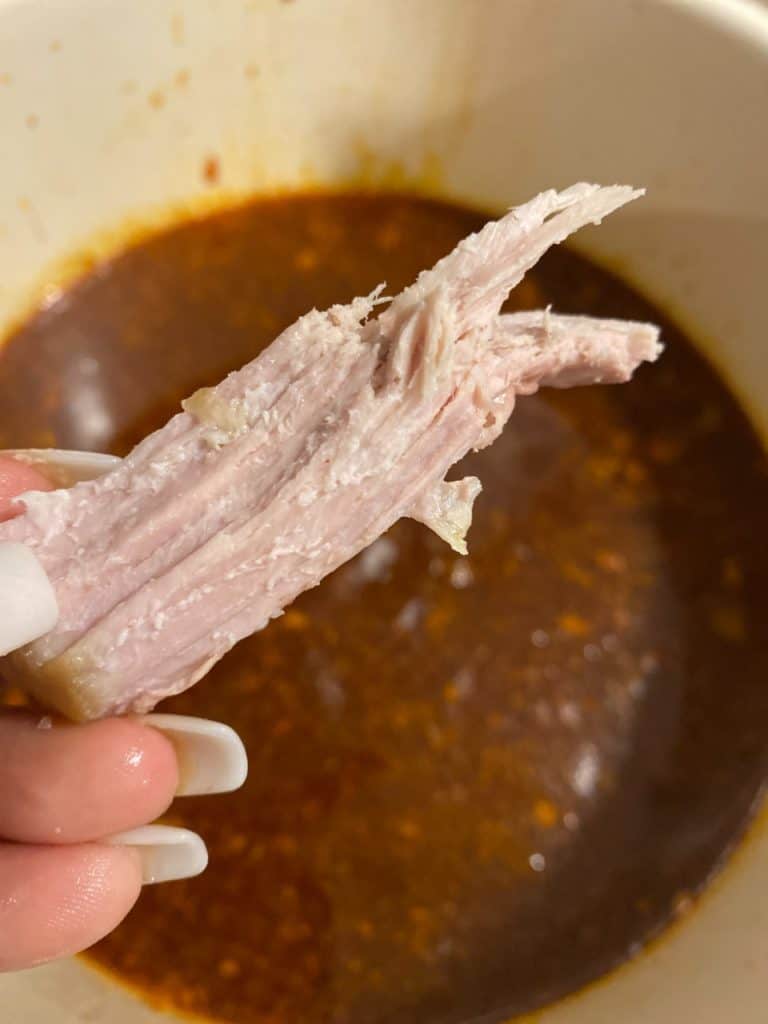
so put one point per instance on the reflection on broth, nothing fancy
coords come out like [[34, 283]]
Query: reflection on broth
[[476, 783]]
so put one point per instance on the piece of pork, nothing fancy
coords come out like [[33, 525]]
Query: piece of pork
[[293, 464]]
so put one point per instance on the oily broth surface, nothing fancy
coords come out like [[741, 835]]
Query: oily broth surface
[[475, 783]]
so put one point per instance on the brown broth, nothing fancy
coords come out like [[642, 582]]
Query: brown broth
[[475, 784]]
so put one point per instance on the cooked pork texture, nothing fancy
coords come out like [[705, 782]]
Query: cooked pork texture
[[289, 467]]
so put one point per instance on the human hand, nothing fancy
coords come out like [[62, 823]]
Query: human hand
[[75, 848]]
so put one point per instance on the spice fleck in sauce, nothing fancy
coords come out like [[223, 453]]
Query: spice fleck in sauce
[[476, 783]]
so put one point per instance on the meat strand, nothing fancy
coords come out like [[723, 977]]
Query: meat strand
[[289, 467]]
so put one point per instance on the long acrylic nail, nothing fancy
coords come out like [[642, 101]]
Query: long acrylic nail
[[167, 854], [64, 468], [28, 606], [211, 756]]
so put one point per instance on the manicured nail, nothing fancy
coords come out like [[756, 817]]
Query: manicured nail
[[64, 468], [28, 607], [166, 853], [211, 756]]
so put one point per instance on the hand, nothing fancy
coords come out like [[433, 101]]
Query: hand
[[75, 848]]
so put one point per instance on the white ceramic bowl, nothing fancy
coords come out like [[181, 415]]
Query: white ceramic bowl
[[109, 110]]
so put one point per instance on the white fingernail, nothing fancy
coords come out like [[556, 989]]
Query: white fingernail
[[64, 468], [166, 853], [211, 756], [28, 607]]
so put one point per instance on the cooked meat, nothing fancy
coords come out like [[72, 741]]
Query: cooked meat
[[289, 467]]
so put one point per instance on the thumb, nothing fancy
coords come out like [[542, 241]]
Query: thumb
[[28, 606]]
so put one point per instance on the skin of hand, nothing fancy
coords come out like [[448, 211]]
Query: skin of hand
[[75, 800]]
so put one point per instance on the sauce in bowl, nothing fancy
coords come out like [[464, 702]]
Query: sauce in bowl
[[476, 783]]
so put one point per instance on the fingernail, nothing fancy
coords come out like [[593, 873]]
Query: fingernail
[[211, 756], [28, 607], [167, 854], [65, 468]]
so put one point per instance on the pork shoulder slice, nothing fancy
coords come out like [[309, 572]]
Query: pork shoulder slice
[[289, 467]]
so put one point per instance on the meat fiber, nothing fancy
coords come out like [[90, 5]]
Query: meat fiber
[[289, 467]]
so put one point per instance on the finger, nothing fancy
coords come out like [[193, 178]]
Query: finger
[[63, 783], [28, 607], [56, 901]]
